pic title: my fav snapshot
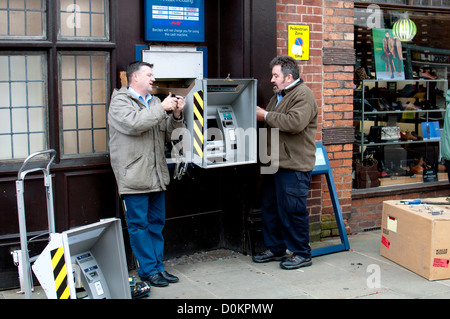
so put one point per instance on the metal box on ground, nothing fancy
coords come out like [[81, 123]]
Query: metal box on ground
[[95, 254], [417, 237]]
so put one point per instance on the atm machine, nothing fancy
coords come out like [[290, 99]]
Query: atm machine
[[220, 114]]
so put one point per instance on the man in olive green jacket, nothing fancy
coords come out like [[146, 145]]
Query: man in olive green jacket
[[293, 111], [139, 126]]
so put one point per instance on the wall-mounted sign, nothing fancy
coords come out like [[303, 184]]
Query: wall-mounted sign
[[175, 20], [298, 42]]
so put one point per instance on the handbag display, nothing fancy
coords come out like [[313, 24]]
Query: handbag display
[[390, 133]]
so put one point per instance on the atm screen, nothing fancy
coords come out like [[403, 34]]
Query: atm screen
[[227, 116]]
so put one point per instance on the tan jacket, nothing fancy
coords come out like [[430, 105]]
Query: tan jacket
[[296, 118], [137, 143]]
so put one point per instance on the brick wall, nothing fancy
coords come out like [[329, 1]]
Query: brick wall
[[367, 210], [329, 73], [331, 30]]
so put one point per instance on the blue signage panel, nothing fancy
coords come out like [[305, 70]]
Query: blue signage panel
[[175, 20]]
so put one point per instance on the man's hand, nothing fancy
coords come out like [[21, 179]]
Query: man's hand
[[170, 103], [181, 103], [260, 113]]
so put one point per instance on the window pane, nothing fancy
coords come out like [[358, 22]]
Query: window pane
[[84, 99], [23, 105], [5, 122], [84, 19], [5, 99], [19, 67], [5, 150], [37, 142], [19, 120], [22, 19], [21, 144], [70, 142], [100, 139], [420, 3]]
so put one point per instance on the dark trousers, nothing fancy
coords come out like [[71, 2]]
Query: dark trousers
[[145, 219], [284, 213]]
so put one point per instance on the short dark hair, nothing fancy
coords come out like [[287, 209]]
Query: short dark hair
[[288, 65], [136, 66]]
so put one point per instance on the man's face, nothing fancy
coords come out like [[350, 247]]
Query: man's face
[[143, 80], [279, 81]]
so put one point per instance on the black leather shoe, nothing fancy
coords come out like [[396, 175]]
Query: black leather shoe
[[156, 280], [295, 261], [170, 278], [267, 256]]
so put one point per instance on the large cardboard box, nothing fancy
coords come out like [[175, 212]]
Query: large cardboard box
[[417, 237]]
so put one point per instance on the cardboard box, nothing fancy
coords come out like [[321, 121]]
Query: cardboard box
[[417, 237]]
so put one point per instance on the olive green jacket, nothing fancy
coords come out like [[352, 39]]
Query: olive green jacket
[[296, 118]]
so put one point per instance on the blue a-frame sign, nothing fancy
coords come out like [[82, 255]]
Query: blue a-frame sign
[[323, 168]]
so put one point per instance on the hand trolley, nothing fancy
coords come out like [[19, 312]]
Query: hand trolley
[[22, 257]]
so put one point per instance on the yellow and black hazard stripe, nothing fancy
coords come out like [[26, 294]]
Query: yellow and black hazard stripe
[[60, 273], [199, 124]]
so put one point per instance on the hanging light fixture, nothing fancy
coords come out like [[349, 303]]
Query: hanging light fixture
[[404, 29]]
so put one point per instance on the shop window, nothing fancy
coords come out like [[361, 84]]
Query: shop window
[[399, 96], [84, 87], [22, 19], [23, 106], [83, 19], [424, 3]]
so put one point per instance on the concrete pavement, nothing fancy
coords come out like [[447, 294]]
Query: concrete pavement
[[360, 273]]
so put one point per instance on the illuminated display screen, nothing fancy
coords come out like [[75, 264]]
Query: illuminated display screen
[[175, 20]]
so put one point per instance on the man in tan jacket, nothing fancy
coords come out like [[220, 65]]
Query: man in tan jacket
[[294, 112], [139, 126]]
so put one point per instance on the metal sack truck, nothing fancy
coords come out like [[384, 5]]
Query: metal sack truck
[[22, 257]]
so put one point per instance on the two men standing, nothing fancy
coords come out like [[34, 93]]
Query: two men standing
[[140, 124]]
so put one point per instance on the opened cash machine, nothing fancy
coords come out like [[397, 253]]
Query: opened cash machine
[[220, 114], [91, 256]]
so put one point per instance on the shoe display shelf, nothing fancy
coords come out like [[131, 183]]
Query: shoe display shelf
[[399, 123]]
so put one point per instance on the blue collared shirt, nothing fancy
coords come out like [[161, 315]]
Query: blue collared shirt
[[280, 96], [145, 100]]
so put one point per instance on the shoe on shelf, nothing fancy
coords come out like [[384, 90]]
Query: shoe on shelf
[[295, 261], [267, 256], [408, 136], [426, 75], [418, 166]]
